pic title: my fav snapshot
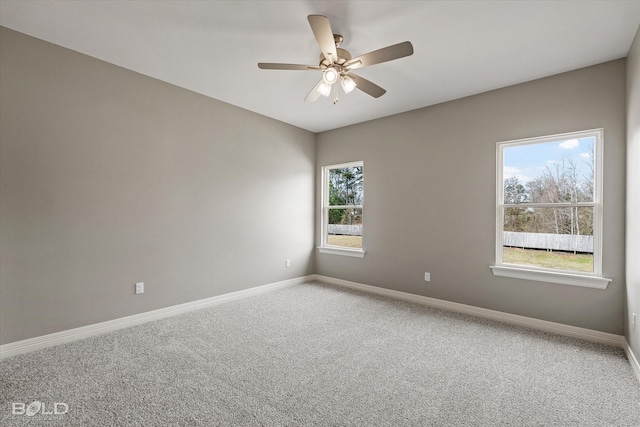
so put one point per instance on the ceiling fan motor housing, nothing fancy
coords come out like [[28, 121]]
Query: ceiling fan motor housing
[[343, 57]]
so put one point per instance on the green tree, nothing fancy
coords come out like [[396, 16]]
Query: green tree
[[516, 218], [345, 188], [335, 215]]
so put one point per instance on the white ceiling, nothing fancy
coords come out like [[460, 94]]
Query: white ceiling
[[212, 47]]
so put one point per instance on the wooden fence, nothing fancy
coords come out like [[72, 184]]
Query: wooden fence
[[556, 242], [348, 230]]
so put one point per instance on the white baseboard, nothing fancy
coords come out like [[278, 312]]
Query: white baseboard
[[37, 343], [635, 366], [514, 319], [529, 322]]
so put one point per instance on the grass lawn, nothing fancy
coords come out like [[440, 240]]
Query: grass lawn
[[561, 260], [540, 258], [347, 241]]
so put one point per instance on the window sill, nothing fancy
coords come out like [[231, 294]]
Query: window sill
[[335, 250], [551, 277]]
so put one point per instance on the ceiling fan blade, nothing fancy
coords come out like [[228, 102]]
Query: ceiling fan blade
[[314, 94], [274, 66], [385, 54], [324, 36], [367, 87]]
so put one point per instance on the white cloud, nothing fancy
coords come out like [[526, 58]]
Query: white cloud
[[585, 155], [511, 171], [552, 163], [569, 144]]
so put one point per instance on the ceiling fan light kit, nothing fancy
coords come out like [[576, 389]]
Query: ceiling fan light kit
[[324, 89], [347, 84], [336, 64], [330, 75]]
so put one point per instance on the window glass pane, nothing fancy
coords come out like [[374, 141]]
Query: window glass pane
[[559, 238], [345, 186], [345, 227], [550, 172]]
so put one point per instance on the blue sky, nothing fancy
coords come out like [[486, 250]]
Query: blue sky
[[527, 162]]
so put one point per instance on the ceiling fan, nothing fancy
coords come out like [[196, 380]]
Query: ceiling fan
[[336, 64]]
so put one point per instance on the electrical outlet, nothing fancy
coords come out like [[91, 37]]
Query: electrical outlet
[[139, 288], [427, 277], [287, 263]]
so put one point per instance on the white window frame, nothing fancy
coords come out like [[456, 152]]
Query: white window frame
[[324, 214], [566, 277]]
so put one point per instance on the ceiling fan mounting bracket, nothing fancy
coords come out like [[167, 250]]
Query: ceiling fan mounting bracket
[[338, 39]]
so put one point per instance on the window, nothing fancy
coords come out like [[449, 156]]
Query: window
[[549, 209], [342, 209]]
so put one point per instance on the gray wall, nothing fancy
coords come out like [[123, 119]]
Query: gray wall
[[109, 177], [429, 195], [633, 195]]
